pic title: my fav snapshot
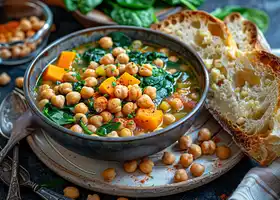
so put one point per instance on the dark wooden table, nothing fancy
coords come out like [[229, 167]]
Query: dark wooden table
[[226, 184]]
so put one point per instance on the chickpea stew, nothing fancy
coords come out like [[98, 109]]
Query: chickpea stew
[[116, 87]]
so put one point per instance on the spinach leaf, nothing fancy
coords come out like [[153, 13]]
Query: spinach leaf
[[71, 5], [259, 17], [86, 6], [58, 116], [85, 128], [125, 16], [191, 4], [147, 57], [120, 39], [93, 54], [77, 86], [136, 4], [107, 128]]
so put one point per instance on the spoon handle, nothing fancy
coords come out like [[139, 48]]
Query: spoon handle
[[14, 189], [48, 194]]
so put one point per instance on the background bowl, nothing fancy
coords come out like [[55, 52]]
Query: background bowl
[[15, 10], [104, 147]]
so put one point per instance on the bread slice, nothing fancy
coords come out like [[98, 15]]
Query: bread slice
[[244, 94], [245, 33]]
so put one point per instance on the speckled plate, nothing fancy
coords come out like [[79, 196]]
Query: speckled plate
[[86, 172]]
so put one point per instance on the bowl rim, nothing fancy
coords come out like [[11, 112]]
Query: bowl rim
[[36, 111]]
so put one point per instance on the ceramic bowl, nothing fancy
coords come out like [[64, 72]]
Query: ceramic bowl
[[107, 148]]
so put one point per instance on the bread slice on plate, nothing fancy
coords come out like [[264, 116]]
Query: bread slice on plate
[[244, 94], [245, 33]]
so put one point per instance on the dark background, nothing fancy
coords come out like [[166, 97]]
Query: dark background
[[222, 186]]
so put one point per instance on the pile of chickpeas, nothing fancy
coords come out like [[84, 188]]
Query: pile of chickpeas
[[194, 151], [26, 28]]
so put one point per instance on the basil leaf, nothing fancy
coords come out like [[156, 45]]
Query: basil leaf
[[58, 116], [107, 128]]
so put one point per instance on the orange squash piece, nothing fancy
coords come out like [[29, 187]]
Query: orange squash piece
[[66, 58], [53, 73], [106, 87], [127, 79], [148, 119]]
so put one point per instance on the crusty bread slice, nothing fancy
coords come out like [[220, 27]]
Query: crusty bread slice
[[245, 33], [244, 95]]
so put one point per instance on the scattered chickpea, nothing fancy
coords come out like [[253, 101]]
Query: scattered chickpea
[[111, 70], [106, 42], [107, 116], [107, 59], [168, 118], [93, 197], [185, 142], [42, 103], [129, 108], [5, 53], [117, 51], [19, 82], [71, 192], [90, 81], [180, 176], [96, 120], [93, 65], [114, 105], [58, 101], [92, 128], [134, 92], [47, 94], [145, 101], [197, 169], [223, 152], [122, 58], [146, 70], [130, 166], [125, 133], [100, 104], [121, 91], [87, 92], [146, 166], [168, 158], [204, 134], [73, 98], [158, 62], [65, 88], [176, 104], [186, 159], [112, 134], [195, 150], [109, 174], [25, 25], [89, 73], [70, 77], [151, 91], [208, 147], [131, 68], [82, 117], [76, 128]]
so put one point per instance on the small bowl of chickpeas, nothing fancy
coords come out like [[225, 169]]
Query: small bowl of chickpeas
[[24, 30]]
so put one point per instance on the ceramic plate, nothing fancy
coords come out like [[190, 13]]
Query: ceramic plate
[[86, 172]]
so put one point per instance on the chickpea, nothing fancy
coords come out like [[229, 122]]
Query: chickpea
[[4, 78], [25, 25], [180, 176], [106, 42], [93, 65], [146, 70], [186, 159], [43, 87], [92, 128], [87, 92], [30, 33], [16, 51], [42, 103], [107, 116], [70, 77], [168, 119], [173, 58], [146, 166], [125, 132], [47, 94], [65, 88], [100, 104], [14, 39], [204, 134], [223, 152], [164, 50], [131, 125], [19, 82], [82, 117], [50, 83], [55, 89], [117, 51], [112, 134], [197, 169], [32, 46], [134, 92], [151, 91], [25, 51], [145, 102], [121, 91], [38, 25], [185, 142], [129, 108], [109, 174], [76, 128], [90, 81], [71, 192], [34, 19], [96, 120], [131, 68], [111, 70], [119, 115], [73, 98], [19, 34], [158, 62], [122, 58], [81, 108], [5, 53], [208, 147], [121, 68], [176, 104], [195, 150], [122, 198], [122, 121], [114, 105], [130, 166], [58, 101], [168, 158], [89, 73], [136, 44], [93, 197], [107, 59]]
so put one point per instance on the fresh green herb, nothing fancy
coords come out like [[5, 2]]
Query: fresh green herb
[[130, 116], [107, 128], [114, 84], [57, 83], [106, 95], [77, 86], [58, 116], [136, 4], [259, 17], [147, 57], [71, 5], [93, 54], [85, 128], [191, 4], [120, 39]]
